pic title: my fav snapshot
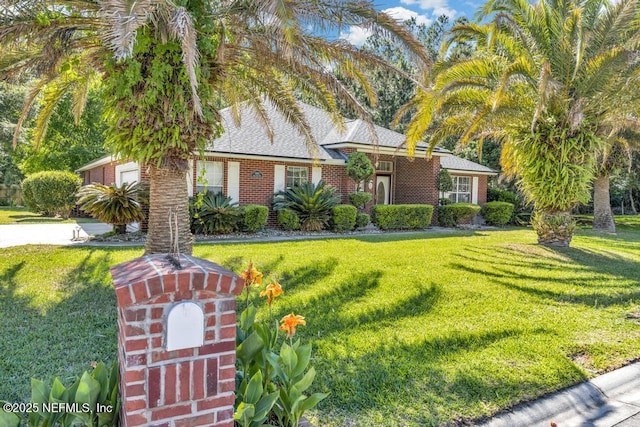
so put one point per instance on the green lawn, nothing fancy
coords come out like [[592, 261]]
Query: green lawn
[[408, 330], [10, 215]]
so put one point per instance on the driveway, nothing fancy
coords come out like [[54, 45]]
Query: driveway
[[49, 234]]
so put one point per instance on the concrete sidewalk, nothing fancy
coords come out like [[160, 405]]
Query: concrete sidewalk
[[612, 399], [49, 234]]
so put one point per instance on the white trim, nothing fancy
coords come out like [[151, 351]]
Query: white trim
[[279, 178], [99, 162], [233, 181], [474, 190], [316, 175], [394, 151], [271, 158], [190, 178], [469, 172], [127, 167]]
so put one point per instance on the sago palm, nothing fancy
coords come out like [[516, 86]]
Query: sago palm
[[311, 202], [541, 82], [168, 67], [115, 205]]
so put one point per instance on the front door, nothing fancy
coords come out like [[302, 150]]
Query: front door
[[383, 188]]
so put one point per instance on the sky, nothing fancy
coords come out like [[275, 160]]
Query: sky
[[425, 11]]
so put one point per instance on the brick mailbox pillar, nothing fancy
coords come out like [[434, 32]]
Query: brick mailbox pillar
[[176, 341]]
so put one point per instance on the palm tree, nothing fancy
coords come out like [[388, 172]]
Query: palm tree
[[542, 80], [168, 68]]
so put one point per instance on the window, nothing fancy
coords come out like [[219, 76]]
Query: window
[[297, 175], [461, 192], [212, 179], [384, 166]]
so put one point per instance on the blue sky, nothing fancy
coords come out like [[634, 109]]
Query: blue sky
[[425, 11]]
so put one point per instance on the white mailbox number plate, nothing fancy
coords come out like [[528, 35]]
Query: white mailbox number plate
[[185, 326]]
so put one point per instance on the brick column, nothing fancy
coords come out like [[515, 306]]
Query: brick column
[[186, 387]]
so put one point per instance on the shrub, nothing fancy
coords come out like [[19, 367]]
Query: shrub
[[114, 205], [359, 168], [288, 220], [214, 214], [499, 195], [312, 203], [343, 218], [497, 213], [455, 213], [402, 217], [51, 192], [254, 217], [96, 387], [360, 198], [444, 201], [444, 182], [362, 220]]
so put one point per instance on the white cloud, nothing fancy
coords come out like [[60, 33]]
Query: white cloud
[[402, 14], [439, 7], [357, 36]]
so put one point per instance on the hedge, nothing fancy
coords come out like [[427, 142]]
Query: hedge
[[343, 218], [51, 192], [402, 217], [362, 220], [497, 213], [254, 217], [288, 220], [453, 214]]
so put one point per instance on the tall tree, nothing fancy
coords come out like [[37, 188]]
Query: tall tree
[[544, 76], [68, 144], [168, 66], [11, 98]]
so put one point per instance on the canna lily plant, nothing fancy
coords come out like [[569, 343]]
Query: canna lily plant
[[270, 385]]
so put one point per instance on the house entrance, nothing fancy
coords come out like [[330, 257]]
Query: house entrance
[[383, 188]]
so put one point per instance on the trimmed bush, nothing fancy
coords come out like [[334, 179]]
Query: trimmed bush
[[455, 213], [214, 214], [343, 218], [288, 220], [51, 192], [360, 198], [254, 217], [402, 217], [362, 220], [498, 195], [497, 213]]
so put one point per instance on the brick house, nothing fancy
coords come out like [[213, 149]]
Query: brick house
[[248, 167]]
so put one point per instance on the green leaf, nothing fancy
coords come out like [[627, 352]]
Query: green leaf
[[249, 347], [263, 407], [57, 391], [244, 414], [304, 355], [306, 381], [8, 419], [88, 390], [254, 389], [311, 401], [289, 359]]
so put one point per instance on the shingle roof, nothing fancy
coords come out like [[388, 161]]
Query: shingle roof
[[251, 137], [457, 163]]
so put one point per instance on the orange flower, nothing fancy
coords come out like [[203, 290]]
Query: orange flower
[[251, 275], [289, 323], [273, 291]]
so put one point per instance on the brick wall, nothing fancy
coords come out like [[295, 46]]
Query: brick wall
[[105, 174], [187, 387]]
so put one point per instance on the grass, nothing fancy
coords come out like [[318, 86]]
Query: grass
[[408, 330], [15, 215]]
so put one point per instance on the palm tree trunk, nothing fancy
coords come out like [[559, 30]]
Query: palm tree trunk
[[553, 228], [167, 197], [602, 215], [632, 202]]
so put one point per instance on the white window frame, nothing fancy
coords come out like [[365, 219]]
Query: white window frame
[[213, 178], [297, 175], [461, 188], [385, 166]]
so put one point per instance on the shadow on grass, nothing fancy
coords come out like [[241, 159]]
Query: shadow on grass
[[60, 338], [383, 378], [606, 278]]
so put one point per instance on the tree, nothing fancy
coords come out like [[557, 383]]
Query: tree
[[543, 77], [360, 169], [11, 97], [167, 68], [68, 144]]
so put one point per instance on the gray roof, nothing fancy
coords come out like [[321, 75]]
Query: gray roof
[[457, 163], [251, 137]]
